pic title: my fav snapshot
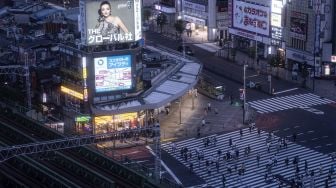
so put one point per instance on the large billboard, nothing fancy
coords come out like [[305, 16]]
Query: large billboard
[[298, 25], [112, 21], [113, 73], [251, 17]]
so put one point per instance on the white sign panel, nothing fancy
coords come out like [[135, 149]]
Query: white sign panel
[[276, 20], [193, 6], [277, 6], [194, 20], [250, 17]]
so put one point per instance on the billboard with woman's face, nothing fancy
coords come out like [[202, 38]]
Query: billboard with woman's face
[[111, 21]]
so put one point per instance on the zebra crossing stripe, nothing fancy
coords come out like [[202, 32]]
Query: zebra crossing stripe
[[254, 176], [288, 102]]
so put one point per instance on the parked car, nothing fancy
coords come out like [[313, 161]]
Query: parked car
[[186, 49]]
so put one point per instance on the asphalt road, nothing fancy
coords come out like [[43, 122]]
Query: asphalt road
[[313, 130]]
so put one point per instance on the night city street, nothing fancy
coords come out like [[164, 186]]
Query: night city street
[[168, 93]]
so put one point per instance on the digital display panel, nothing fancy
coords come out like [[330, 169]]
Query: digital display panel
[[113, 73], [112, 21]]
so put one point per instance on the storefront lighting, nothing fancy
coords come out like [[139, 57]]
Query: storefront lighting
[[327, 70]]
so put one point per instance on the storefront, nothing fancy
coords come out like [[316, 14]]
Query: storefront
[[297, 60], [196, 15], [83, 124], [109, 123]]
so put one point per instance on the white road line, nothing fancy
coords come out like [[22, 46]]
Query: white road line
[[284, 91], [314, 139]]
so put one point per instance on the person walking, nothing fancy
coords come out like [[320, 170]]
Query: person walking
[[203, 122], [209, 106], [258, 159], [286, 161], [230, 141], [294, 137], [191, 167], [223, 180]]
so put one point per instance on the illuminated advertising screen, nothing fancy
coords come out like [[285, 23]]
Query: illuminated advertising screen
[[113, 73], [251, 17], [112, 21]]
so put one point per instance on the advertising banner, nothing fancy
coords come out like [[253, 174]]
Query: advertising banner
[[298, 25], [113, 73], [112, 21], [250, 17]]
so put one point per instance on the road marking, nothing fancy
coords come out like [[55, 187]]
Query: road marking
[[286, 129], [300, 134], [284, 91], [296, 127], [311, 131], [317, 147], [303, 141], [314, 139], [329, 144], [324, 136]]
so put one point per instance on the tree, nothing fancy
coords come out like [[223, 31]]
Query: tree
[[161, 20], [179, 27], [146, 14]]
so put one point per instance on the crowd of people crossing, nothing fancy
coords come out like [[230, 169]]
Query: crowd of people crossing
[[253, 158]]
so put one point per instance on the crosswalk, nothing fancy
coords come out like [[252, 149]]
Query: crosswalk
[[211, 47], [254, 175], [288, 102]]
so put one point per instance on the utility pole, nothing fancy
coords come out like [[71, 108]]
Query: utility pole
[[270, 83], [157, 150], [244, 94], [27, 75]]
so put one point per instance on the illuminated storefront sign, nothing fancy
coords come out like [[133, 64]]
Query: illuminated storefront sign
[[251, 17], [110, 21], [113, 73], [277, 6], [276, 20], [72, 92], [298, 25], [85, 93], [194, 20]]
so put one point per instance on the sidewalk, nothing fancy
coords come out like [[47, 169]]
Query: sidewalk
[[324, 88], [229, 118], [281, 78]]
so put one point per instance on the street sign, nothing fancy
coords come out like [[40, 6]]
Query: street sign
[[333, 58]]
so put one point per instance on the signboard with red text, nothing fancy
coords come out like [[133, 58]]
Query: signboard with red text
[[251, 17]]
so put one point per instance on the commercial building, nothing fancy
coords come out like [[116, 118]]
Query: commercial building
[[308, 36], [102, 72]]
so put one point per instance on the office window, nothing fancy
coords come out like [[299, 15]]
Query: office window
[[310, 3], [298, 44]]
